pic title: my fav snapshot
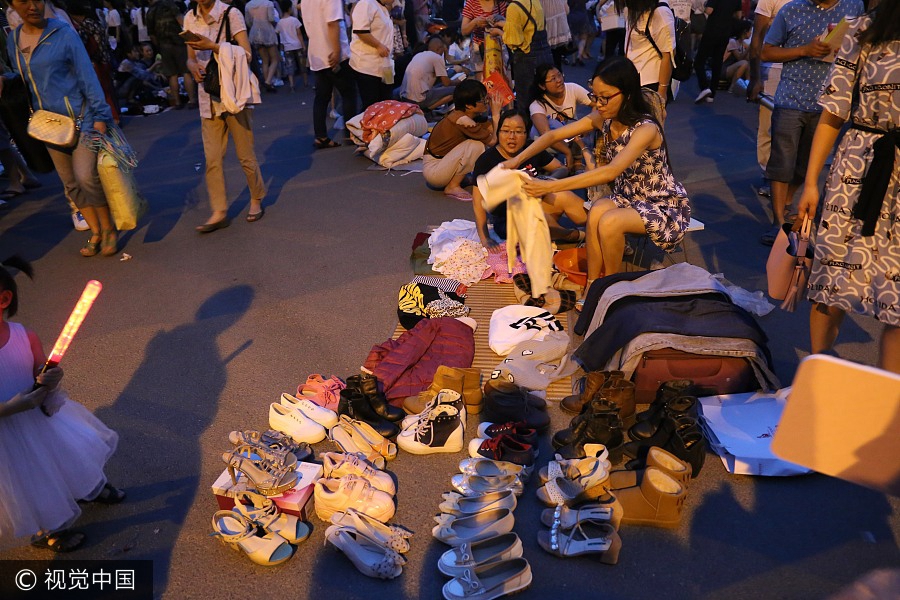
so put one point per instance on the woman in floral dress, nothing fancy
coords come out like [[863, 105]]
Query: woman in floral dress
[[857, 257], [645, 197]]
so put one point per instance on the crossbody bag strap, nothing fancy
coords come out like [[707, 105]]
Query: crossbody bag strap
[[226, 23], [647, 32], [22, 72], [527, 13]]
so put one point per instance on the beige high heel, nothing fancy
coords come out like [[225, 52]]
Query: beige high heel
[[368, 556], [238, 531], [268, 478]]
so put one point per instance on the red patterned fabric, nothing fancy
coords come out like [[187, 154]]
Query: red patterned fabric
[[381, 116]]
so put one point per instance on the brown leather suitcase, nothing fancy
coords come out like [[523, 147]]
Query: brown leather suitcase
[[716, 374]]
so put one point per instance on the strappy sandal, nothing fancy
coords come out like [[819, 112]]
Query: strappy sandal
[[275, 441], [567, 518], [60, 541], [471, 485], [264, 513], [91, 248], [587, 537], [239, 532], [368, 556], [343, 437], [109, 495], [323, 143], [393, 537], [455, 561], [109, 242], [268, 478], [460, 506]]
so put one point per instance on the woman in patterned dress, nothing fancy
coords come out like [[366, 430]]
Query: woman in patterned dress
[[645, 198], [857, 257]]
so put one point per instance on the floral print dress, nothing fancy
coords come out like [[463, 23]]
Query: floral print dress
[[648, 186], [853, 272]]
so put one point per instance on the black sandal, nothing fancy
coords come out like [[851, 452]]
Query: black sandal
[[60, 541], [109, 495], [323, 143]]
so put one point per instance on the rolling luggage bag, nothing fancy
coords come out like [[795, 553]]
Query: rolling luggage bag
[[717, 374]]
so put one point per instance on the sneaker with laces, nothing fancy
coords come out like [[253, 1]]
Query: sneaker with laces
[[503, 448], [79, 222], [444, 396], [440, 431]]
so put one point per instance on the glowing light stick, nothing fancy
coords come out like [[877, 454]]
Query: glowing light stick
[[90, 293]]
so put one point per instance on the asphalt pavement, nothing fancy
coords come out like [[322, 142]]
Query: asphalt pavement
[[194, 336]]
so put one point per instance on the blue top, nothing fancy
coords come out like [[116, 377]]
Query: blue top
[[798, 24], [60, 69]]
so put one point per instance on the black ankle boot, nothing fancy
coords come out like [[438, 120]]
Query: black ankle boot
[[662, 436], [603, 429], [666, 392], [594, 407], [513, 404], [682, 406], [368, 385], [689, 446], [356, 406]]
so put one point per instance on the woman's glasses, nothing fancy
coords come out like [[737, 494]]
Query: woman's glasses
[[601, 100], [513, 131], [557, 78]]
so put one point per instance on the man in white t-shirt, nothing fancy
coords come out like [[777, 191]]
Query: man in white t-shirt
[[424, 71], [329, 60], [764, 78]]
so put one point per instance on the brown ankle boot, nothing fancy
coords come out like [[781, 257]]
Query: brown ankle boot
[[472, 394], [444, 378], [593, 381], [621, 393]]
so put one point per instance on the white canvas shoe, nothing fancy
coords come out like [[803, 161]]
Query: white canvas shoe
[[440, 431], [295, 424], [323, 416], [338, 464]]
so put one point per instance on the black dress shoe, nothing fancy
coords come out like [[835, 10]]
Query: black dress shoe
[[210, 227], [663, 435]]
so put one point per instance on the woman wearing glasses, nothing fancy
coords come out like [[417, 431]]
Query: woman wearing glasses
[[631, 156], [512, 137], [554, 105]]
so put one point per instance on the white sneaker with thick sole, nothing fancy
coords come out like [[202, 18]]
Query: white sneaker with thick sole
[[440, 431], [79, 222], [325, 417], [294, 423]]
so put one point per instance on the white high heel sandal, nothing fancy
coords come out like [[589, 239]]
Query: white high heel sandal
[[265, 513]]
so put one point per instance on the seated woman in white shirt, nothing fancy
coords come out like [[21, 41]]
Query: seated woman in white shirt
[[554, 104]]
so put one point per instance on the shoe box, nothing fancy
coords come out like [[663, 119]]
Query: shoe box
[[293, 501]]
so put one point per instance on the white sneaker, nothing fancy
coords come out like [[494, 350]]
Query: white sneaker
[[79, 222], [444, 396], [325, 417], [440, 431], [336, 464], [337, 495], [295, 424], [703, 95]]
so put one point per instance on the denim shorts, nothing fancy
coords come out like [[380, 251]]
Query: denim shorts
[[792, 134]]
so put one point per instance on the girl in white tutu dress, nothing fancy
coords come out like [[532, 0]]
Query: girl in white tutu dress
[[47, 463]]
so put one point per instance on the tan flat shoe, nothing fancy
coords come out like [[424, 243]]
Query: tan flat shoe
[[390, 536], [473, 528], [455, 561], [343, 436], [460, 506], [494, 580]]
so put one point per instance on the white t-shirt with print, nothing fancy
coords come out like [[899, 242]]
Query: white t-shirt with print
[[641, 52], [371, 16], [287, 30], [565, 111], [316, 16], [770, 8], [422, 72]]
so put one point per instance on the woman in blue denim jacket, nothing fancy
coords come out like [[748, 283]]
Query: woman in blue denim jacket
[[51, 59]]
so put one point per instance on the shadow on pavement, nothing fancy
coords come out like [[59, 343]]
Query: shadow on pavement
[[161, 416]]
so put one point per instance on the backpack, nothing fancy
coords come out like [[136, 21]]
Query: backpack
[[684, 66]]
